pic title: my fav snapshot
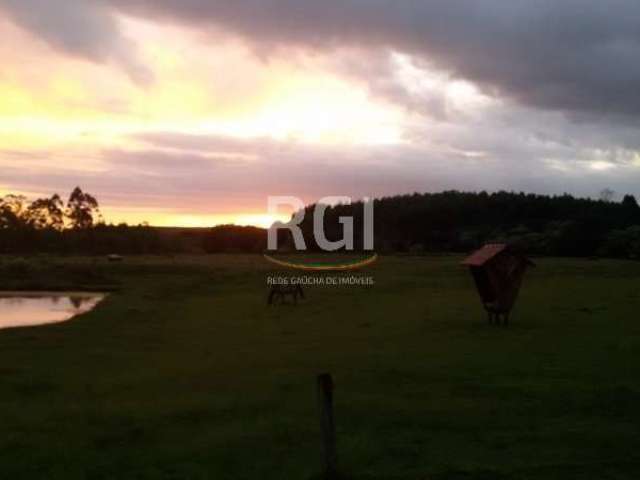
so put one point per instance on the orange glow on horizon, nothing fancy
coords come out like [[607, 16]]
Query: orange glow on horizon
[[190, 220]]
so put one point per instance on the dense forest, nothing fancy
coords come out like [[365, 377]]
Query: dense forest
[[459, 222], [431, 222]]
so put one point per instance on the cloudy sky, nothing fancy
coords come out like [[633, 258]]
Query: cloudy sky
[[192, 112]]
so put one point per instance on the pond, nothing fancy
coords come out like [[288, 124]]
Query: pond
[[21, 309]]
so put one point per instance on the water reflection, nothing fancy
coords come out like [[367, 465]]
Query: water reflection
[[18, 309]]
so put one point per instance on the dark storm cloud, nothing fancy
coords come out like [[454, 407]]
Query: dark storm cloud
[[573, 55], [85, 29], [579, 56]]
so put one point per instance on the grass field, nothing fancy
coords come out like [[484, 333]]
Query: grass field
[[185, 373]]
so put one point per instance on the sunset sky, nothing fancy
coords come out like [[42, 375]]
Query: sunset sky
[[192, 112]]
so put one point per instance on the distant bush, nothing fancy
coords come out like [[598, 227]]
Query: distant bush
[[622, 243], [16, 268], [232, 238]]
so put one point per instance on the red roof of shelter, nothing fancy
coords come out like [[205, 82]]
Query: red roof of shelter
[[483, 255]]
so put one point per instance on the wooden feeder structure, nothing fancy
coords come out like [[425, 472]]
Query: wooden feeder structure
[[498, 270]]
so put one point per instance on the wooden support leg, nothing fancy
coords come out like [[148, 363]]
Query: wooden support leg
[[327, 424]]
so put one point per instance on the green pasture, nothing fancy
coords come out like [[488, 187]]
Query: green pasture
[[184, 372]]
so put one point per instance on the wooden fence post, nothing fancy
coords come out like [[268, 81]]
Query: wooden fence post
[[325, 405]]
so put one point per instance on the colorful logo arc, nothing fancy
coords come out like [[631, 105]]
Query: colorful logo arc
[[324, 267]]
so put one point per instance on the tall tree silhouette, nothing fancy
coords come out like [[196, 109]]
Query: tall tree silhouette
[[12, 209], [629, 202], [82, 209], [46, 213]]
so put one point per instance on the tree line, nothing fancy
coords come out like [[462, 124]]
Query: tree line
[[51, 225], [454, 221], [450, 221], [80, 212]]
